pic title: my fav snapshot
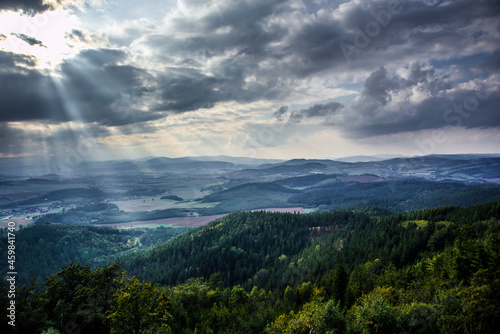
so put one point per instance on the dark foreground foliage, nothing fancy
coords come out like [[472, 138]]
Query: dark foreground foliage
[[431, 271]]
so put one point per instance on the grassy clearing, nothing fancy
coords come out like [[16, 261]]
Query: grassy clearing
[[127, 226]]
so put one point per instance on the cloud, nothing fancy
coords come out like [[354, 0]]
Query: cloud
[[232, 39], [25, 93], [33, 7], [280, 113], [316, 111], [28, 6], [101, 89], [358, 36], [322, 111], [30, 40], [188, 89], [422, 100], [239, 27], [89, 88], [9, 61], [81, 39], [259, 50]]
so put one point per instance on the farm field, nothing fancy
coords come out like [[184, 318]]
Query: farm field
[[156, 203], [174, 222], [190, 221], [20, 221]]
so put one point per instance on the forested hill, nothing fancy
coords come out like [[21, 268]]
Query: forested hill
[[239, 246], [43, 249], [350, 271], [274, 249]]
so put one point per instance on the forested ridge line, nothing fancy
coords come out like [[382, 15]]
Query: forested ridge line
[[258, 248]]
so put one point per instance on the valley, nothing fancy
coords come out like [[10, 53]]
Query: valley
[[119, 192]]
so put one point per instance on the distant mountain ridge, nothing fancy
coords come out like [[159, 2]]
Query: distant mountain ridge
[[252, 167]]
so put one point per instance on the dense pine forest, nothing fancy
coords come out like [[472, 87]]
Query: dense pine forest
[[43, 249], [350, 271]]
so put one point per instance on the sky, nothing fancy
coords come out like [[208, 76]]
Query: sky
[[122, 79]]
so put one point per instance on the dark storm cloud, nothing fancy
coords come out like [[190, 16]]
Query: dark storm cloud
[[28, 6], [317, 110], [98, 57], [9, 61], [392, 104], [187, 85], [187, 89], [280, 44], [324, 111], [279, 114], [28, 39], [316, 47], [99, 89], [366, 34], [33, 7], [248, 16], [236, 26], [25, 93], [91, 88], [379, 86]]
